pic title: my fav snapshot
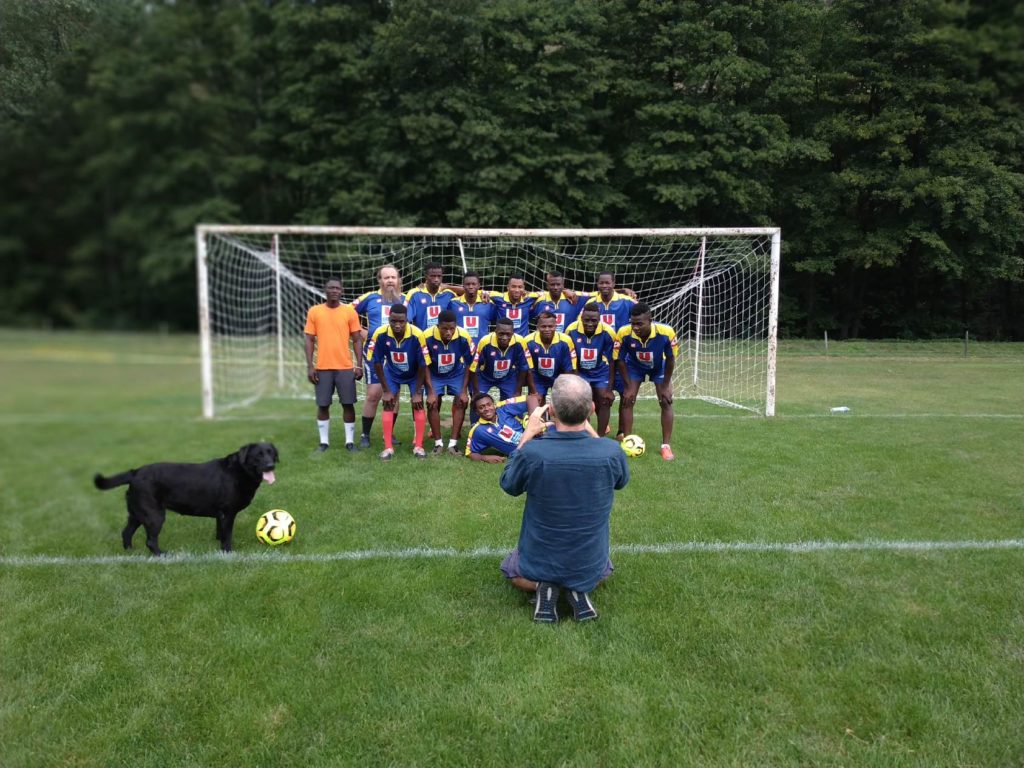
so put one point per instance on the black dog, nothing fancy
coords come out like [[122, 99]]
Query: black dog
[[220, 488]]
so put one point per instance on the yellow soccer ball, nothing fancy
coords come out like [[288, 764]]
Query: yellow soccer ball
[[275, 527], [633, 446]]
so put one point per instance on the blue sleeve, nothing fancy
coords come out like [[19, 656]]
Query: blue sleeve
[[516, 473], [622, 477]]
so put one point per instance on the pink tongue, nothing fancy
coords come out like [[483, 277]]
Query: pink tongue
[[269, 477]]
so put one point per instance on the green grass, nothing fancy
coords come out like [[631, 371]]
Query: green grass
[[739, 657]]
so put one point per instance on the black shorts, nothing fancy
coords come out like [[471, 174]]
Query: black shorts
[[342, 382]]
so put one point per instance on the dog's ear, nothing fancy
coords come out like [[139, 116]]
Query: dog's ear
[[273, 450], [243, 453]]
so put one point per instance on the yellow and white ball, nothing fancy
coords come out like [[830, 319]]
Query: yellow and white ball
[[275, 527], [633, 446]]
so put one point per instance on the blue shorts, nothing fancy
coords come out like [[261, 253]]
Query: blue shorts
[[510, 567], [507, 386], [396, 386], [370, 373], [599, 380], [447, 386], [542, 386], [639, 374]]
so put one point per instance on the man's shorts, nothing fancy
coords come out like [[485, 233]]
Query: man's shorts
[[370, 373], [639, 374], [396, 386], [599, 380], [507, 386], [447, 386], [510, 567], [342, 382], [542, 386]]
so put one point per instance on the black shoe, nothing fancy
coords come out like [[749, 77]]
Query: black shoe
[[350, 446], [396, 443], [582, 608], [364, 442], [322, 447], [546, 609]]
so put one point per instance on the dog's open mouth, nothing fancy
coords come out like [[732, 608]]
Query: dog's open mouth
[[268, 476]]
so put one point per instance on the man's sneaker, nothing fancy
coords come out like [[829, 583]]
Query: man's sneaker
[[546, 609], [387, 454], [666, 453], [582, 608], [322, 447], [364, 442], [419, 453], [438, 450], [350, 446], [453, 451]]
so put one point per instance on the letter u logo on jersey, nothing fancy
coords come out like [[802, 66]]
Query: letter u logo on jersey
[[546, 365], [400, 360], [445, 362], [514, 314], [471, 321], [433, 311], [588, 357], [508, 434], [560, 320], [608, 320], [385, 312], [502, 367], [645, 356]]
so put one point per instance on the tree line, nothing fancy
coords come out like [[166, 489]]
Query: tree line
[[885, 138]]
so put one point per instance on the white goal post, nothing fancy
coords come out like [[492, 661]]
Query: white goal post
[[717, 288]]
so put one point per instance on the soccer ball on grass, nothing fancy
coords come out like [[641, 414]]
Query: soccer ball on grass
[[633, 446], [275, 527]]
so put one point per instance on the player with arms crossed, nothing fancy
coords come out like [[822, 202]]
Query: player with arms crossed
[[329, 329], [564, 304], [500, 361], [376, 306], [399, 354], [427, 302], [595, 360], [499, 427], [474, 311], [451, 353], [647, 350], [551, 353]]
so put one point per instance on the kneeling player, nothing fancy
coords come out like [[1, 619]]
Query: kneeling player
[[499, 427], [647, 351]]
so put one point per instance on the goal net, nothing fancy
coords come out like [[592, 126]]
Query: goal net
[[717, 288]]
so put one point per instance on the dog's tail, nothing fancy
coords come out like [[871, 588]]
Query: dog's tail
[[106, 483]]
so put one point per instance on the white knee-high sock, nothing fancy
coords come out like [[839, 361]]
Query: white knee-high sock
[[324, 427], [350, 432]]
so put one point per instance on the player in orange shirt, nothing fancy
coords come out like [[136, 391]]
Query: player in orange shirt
[[330, 327]]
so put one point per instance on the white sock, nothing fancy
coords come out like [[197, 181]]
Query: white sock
[[350, 432], [324, 427], [452, 442], [439, 443]]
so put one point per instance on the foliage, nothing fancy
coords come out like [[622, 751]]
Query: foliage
[[884, 138]]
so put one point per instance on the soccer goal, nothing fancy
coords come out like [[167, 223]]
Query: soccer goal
[[718, 288]]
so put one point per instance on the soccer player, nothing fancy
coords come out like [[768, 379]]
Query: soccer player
[[399, 354], [551, 353], [515, 304], [500, 361], [647, 350], [451, 354], [375, 307], [614, 305], [565, 304], [330, 328], [474, 312], [427, 302], [498, 429], [595, 360]]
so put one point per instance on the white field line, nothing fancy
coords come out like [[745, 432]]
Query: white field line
[[668, 548]]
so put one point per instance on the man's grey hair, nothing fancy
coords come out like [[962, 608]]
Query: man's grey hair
[[571, 398]]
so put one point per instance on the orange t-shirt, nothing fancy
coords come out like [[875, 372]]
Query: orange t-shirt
[[333, 329]]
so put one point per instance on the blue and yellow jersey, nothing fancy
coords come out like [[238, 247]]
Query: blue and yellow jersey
[[448, 361], [518, 313], [594, 354], [504, 433], [615, 313], [375, 309], [492, 364], [647, 355], [476, 318], [550, 361], [425, 307], [401, 357], [565, 311]]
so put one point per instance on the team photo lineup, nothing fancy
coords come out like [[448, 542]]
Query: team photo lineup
[[495, 354]]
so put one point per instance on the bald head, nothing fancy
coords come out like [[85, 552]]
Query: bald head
[[571, 399]]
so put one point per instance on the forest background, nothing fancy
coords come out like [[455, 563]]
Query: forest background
[[884, 138]]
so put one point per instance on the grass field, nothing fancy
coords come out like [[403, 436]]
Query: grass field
[[804, 590]]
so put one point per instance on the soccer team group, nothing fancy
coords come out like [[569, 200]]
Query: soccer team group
[[437, 340]]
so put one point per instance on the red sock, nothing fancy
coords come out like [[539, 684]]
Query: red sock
[[419, 421], [388, 420]]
